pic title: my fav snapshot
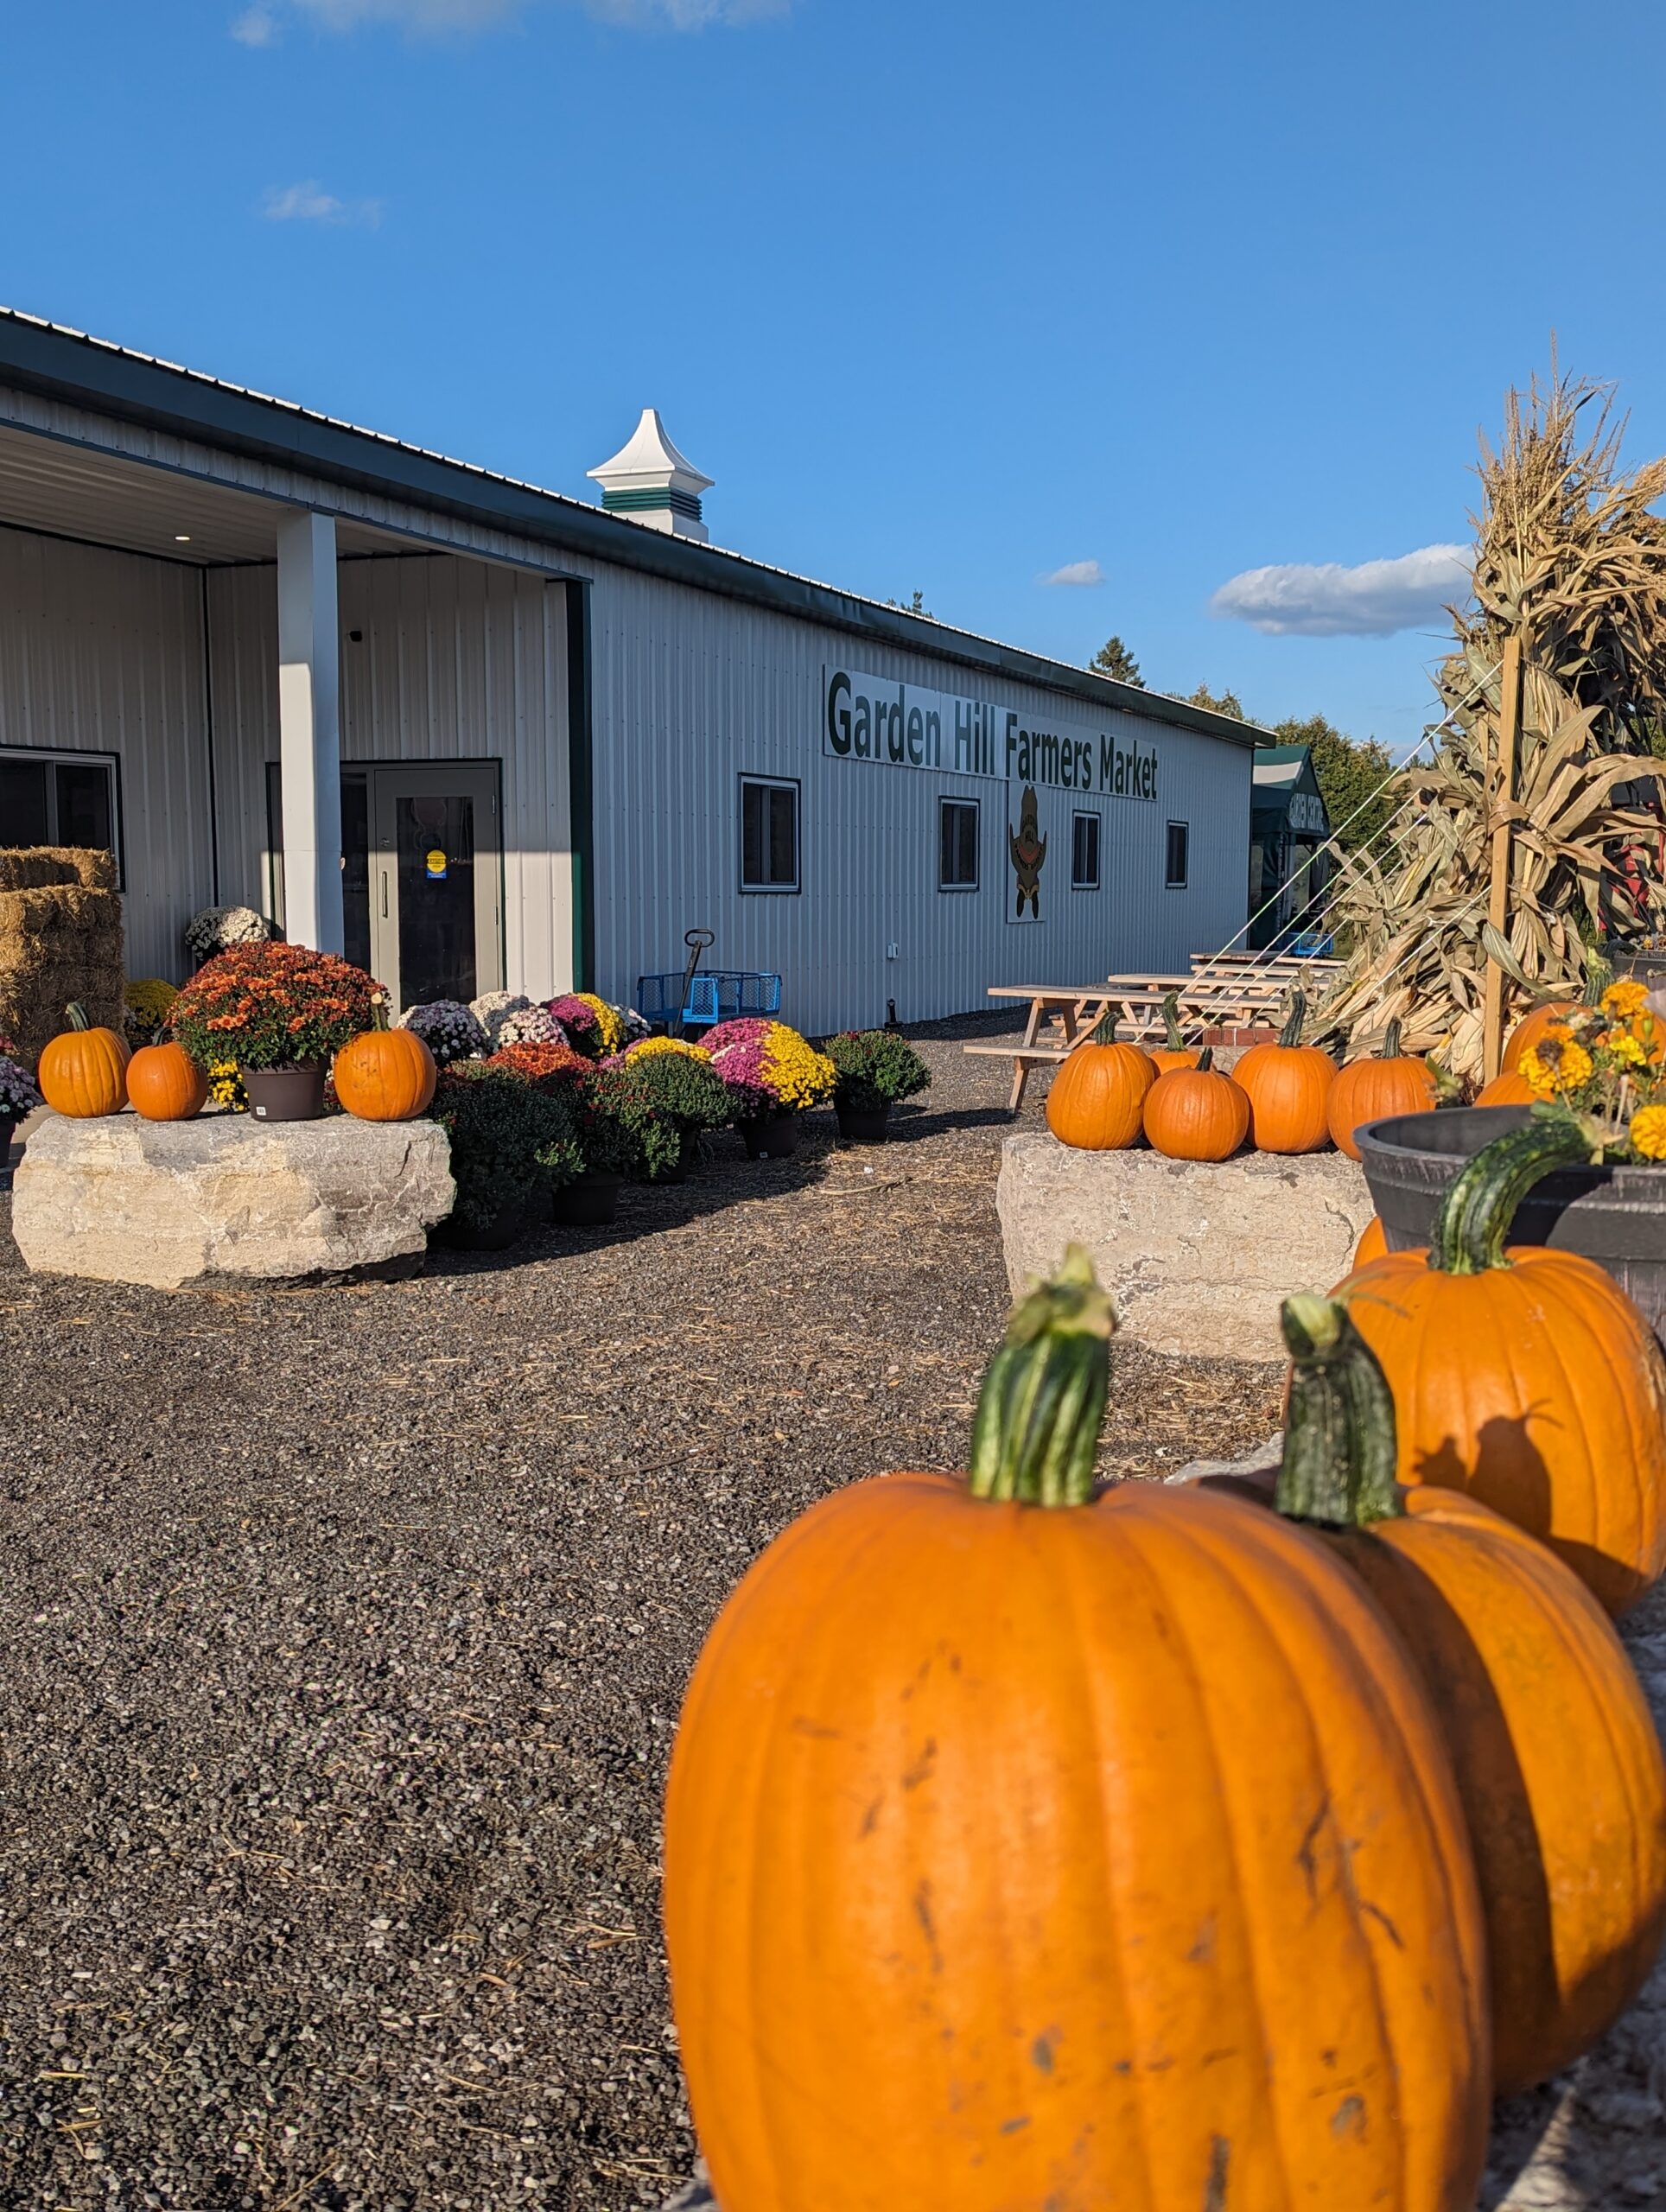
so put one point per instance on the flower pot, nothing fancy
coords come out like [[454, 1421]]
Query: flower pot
[[771, 1136], [859, 1127], [1615, 1216], [286, 1094], [687, 1159], [590, 1202], [494, 1236]]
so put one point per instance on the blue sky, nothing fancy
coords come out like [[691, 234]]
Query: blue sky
[[952, 296]]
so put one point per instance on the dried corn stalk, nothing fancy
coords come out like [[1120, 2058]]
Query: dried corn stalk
[[1567, 558]]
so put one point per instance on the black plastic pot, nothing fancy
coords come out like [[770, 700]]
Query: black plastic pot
[[1646, 967], [590, 1202], [285, 1094], [1615, 1216], [857, 1127], [494, 1236], [772, 1136]]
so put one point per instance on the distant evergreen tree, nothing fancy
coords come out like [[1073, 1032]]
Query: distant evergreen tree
[[1114, 659], [1218, 702]]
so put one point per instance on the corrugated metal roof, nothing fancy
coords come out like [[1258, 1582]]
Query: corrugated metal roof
[[555, 516]]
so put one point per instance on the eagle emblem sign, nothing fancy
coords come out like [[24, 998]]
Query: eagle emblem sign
[[1029, 852]]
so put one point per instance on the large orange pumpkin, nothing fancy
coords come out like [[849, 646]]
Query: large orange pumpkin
[[1373, 1242], [385, 1075], [1097, 1094], [947, 1910], [165, 1084], [1507, 1088], [1528, 1379], [1174, 1052], [1372, 1090], [1288, 1086], [1196, 1113], [83, 1072], [1552, 1740]]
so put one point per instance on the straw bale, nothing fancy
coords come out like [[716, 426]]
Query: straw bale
[[60, 939], [58, 910], [32, 868]]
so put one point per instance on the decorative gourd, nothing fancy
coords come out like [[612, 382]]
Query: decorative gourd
[[1552, 1740], [1527, 1379], [1372, 1090], [1196, 1113], [1507, 1088], [1175, 1053], [165, 1084], [1373, 1242], [944, 1903], [385, 1075], [1288, 1086], [1097, 1094], [83, 1072]]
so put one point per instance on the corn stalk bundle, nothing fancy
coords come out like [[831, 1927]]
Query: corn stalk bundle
[[1569, 559]]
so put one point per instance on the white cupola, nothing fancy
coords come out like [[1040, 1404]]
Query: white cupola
[[649, 481]]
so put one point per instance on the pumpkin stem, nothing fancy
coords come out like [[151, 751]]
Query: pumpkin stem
[[379, 1011], [1106, 1030], [1291, 1032], [1339, 1429], [1477, 1211], [1598, 976], [1044, 1395], [1172, 1022], [1391, 1041], [1205, 1059], [75, 1015]]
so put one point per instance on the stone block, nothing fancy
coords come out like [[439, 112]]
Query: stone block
[[225, 1198], [1198, 1254]]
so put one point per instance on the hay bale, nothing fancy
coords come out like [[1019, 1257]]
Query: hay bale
[[60, 938]]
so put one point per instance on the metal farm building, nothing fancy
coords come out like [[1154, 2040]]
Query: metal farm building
[[481, 735]]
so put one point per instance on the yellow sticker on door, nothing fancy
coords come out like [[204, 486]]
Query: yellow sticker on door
[[436, 868]]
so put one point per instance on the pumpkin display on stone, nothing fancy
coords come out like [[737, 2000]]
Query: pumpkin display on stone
[[1097, 1097], [1372, 1090], [83, 1070], [1173, 1051], [385, 1075], [1552, 1740], [1288, 1086], [1196, 1113], [164, 1083], [952, 1920], [1373, 1242], [1526, 1378], [1509, 1087]]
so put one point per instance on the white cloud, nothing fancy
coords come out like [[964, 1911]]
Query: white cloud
[[308, 202], [256, 26], [1077, 573], [1326, 600], [260, 25], [686, 15]]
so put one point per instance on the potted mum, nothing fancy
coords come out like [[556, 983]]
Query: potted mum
[[279, 1012], [773, 1075], [18, 1095], [450, 1030], [873, 1068], [679, 1083], [513, 1143]]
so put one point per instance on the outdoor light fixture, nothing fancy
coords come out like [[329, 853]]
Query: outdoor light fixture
[[181, 537]]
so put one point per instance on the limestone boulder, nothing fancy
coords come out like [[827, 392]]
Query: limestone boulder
[[226, 1197], [1197, 1256]]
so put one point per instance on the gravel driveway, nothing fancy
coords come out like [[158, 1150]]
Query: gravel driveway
[[344, 1634]]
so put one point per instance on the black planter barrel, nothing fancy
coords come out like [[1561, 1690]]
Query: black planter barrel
[[1615, 1216]]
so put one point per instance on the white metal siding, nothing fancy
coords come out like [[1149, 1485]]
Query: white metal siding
[[691, 692], [102, 653], [458, 660]]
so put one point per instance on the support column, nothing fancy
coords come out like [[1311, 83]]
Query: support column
[[309, 731]]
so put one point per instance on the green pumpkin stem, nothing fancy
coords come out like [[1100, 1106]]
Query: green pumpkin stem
[[1037, 1427], [1338, 1460], [379, 1012], [1476, 1214], [75, 1015], [1172, 1022], [1391, 1041], [1291, 1032], [1205, 1059], [1105, 1029], [1598, 976]]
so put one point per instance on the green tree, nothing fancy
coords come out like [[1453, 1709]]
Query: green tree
[[1218, 702], [915, 606], [1353, 776], [1114, 659]]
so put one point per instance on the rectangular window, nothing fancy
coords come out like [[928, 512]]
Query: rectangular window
[[769, 835], [1178, 837], [1084, 852], [957, 844], [63, 798]]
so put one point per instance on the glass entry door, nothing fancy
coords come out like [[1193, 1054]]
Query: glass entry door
[[435, 903]]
